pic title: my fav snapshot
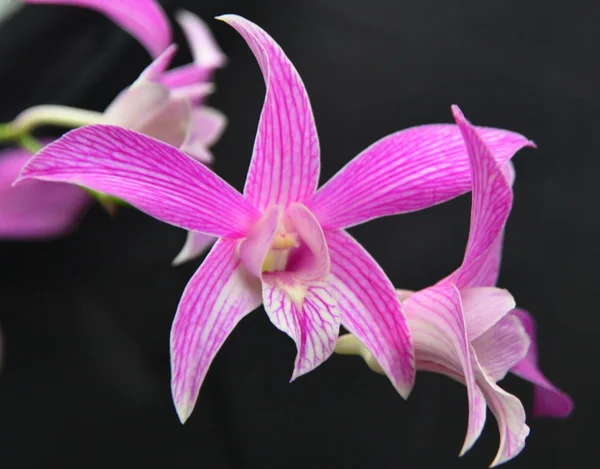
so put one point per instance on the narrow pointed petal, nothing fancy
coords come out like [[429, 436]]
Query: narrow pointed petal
[[440, 336], [491, 202], [36, 209], [205, 50], [136, 105], [308, 314], [150, 175], [195, 245], [185, 75], [285, 162], [157, 68], [145, 20], [548, 400], [370, 309], [510, 416], [406, 171], [483, 307], [216, 298], [311, 262], [501, 347], [254, 248]]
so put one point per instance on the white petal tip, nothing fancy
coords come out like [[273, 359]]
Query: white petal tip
[[183, 412]]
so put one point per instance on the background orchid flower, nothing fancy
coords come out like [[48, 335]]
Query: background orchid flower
[[280, 243], [467, 329]]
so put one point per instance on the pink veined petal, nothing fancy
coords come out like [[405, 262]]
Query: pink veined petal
[[548, 400], [510, 416], [169, 124], [439, 333], [195, 245], [36, 209], [145, 20], [491, 202], [311, 261], [307, 313], [406, 171], [370, 309], [285, 162], [151, 175], [185, 75], [216, 298], [205, 50], [136, 105], [501, 347], [483, 307], [254, 248]]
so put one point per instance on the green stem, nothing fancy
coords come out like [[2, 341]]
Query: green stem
[[29, 143]]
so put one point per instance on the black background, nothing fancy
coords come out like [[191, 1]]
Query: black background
[[86, 319]]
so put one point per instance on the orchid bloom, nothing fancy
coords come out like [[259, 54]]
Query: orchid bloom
[[164, 104], [281, 243], [465, 327]]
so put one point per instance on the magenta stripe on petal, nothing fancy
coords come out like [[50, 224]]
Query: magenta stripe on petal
[[370, 309], [151, 175], [216, 298], [145, 20], [308, 314], [406, 171], [285, 162]]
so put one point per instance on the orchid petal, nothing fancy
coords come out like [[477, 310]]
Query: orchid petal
[[501, 347], [254, 248], [370, 309], [170, 124], [216, 298], [307, 313], [492, 200], [208, 124], [483, 307], [510, 417], [195, 244], [548, 400], [36, 209], [194, 92], [185, 75], [205, 50], [136, 105], [406, 171], [311, 261], [150, 175], [157, 68], [285, 162], [145, 20], [436, 320]]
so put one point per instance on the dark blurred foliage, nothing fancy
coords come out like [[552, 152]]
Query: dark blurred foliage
[[86, 319]]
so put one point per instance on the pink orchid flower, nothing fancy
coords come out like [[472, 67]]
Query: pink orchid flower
[[165, 104], [282, 243], [465, 327]]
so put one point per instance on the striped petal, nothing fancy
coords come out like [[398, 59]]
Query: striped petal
[[483, 307], [195, 245], [407, 171], [370, 309], [145, 20], [491, 203], [307, 313], [36, 209], [548, 400], [285, 162], [437, 324], [150, 175], [216, 298]]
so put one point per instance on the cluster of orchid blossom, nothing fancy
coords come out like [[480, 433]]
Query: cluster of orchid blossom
[[282, 243]]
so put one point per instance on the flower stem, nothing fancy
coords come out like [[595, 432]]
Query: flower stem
[[62, 116]]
